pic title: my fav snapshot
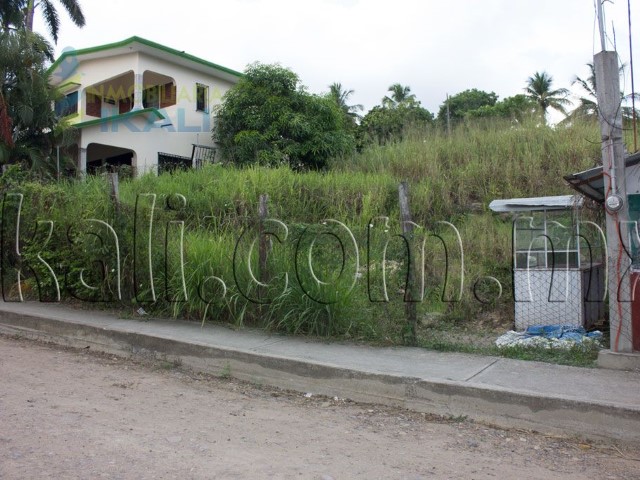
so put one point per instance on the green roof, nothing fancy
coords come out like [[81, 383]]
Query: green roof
[[143, 41], [133, 113]]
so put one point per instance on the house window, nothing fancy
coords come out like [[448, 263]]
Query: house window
[[67, 105], [202, 98]]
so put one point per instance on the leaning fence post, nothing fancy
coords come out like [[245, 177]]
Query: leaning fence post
[[410, 307]]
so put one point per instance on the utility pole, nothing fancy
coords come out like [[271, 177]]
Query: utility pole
[[616, 204]]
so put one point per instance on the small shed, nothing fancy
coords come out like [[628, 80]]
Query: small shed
[[558, 274]]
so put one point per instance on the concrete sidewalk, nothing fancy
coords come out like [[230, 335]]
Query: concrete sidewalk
[[593, 403]]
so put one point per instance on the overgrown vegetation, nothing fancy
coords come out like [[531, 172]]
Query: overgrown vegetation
[[397, 114], [452, 178], [334, 259]]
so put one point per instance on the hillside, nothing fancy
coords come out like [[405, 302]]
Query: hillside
[[206, 272]]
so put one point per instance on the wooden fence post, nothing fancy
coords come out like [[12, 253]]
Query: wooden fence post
[[115, 191], [410, 306], [263, 249]]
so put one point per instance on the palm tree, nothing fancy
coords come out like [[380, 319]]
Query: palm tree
[[588, 106], [27, 121], [51, 16], [11, 14], [539, 90], [399, 95], [340, 97]]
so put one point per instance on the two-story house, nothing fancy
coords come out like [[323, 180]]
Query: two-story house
[[139, 103]]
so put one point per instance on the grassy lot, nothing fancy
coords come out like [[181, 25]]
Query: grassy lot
[[186, 241]]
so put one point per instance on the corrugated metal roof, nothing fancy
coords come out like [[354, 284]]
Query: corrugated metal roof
[[560, 202], [590, 183]]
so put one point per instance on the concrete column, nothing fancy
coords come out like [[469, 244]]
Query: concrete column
[[613, 167], [82, 161], [137, 91]]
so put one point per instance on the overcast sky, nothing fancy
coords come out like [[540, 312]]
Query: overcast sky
[[434, 47]]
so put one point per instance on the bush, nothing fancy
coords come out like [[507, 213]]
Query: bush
[[268, 118]]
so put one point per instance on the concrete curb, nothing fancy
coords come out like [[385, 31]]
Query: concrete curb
[[619, 361], [493, 404]]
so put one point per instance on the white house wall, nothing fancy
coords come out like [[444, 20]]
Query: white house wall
[[183, 125], [186, 80]]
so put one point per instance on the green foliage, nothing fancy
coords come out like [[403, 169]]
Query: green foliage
[[398, 113], [539, 89], [588, 103], [587, 109], [383, 124], [11, 14], [268, 118], [29, 127], [517, 108], [464, 102], [12, 177], [341, 96], [400, 95], [50, 14]]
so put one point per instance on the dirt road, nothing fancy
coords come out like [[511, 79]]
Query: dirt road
[[75, 414]]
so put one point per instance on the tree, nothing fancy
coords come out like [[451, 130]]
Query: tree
[[270, 119], [341, 97], [539, 90], [400, 95], [587, 105], [389, 121], [515, 108], [383, 124], [11, 14], [28, 124], [51, 16], [462, 103]]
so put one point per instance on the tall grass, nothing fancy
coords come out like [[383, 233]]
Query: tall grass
[[481, 162], [452, 178]]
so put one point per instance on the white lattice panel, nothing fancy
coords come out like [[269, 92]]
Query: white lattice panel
[[541, 301]]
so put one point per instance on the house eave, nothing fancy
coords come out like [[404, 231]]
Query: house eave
[[141, 45]]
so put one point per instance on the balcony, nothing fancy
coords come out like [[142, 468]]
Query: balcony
[[120, 94]]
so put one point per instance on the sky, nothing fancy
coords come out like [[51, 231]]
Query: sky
[[436, 48]]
